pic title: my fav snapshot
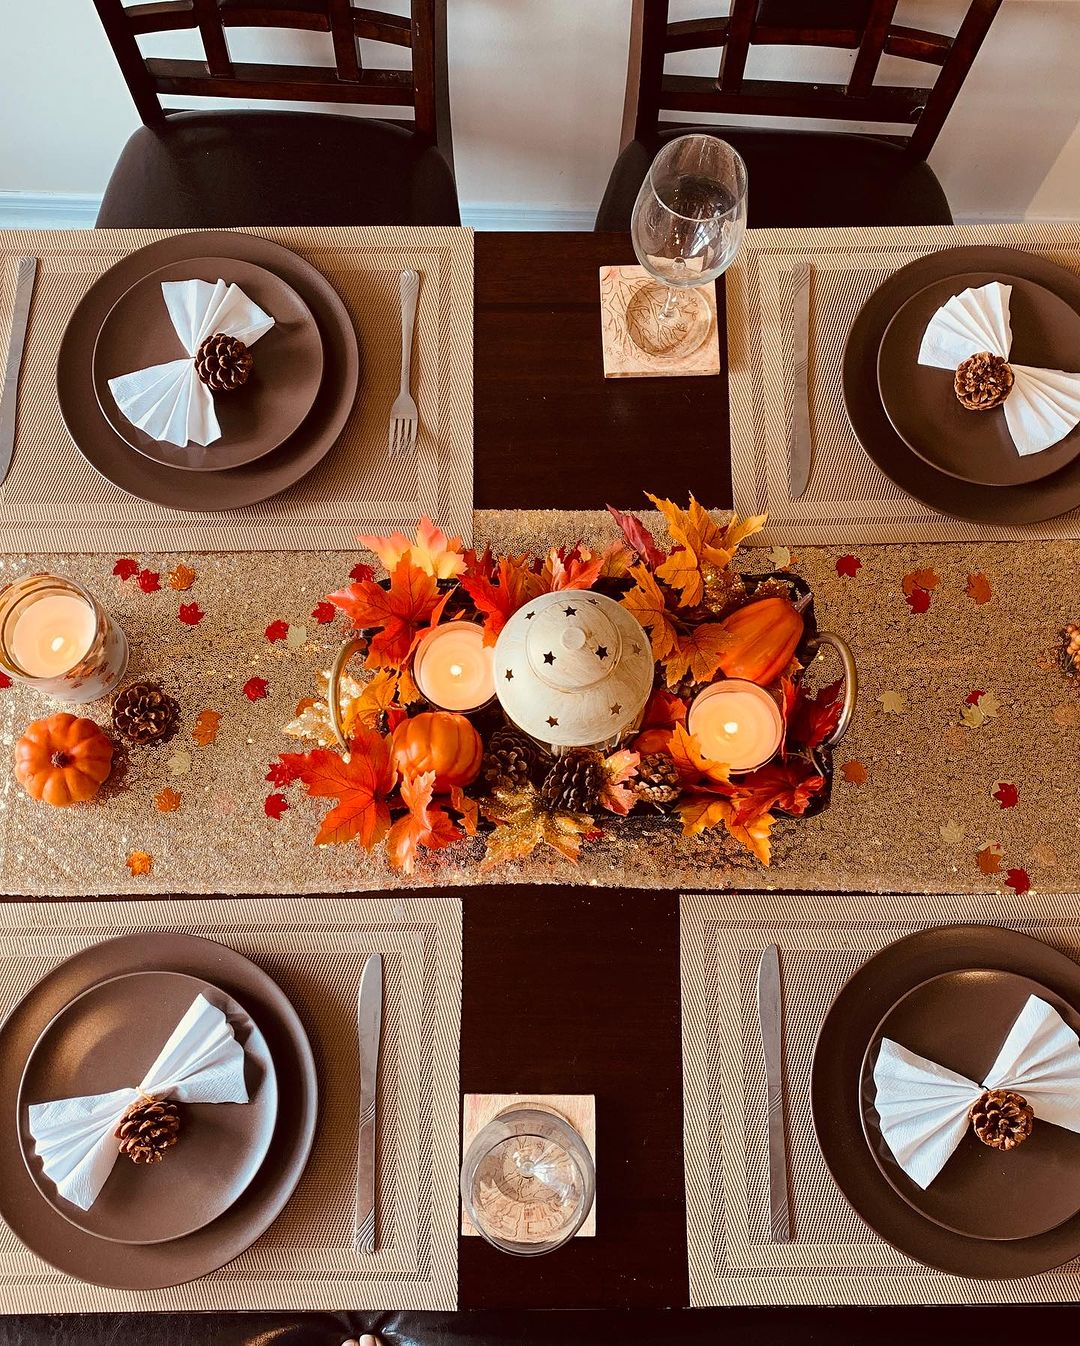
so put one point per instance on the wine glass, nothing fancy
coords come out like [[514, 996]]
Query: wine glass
[[528, 1180], [687, 224]]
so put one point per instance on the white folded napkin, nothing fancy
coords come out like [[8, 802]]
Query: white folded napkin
[[202, 1062], [1043, 405], [170, 402], [923, 1107]]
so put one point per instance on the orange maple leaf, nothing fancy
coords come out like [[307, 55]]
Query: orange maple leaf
[[919, 579], [205, 729], [468, 808], [700, 812], [168, 800], [697, 653], [978, 588], [396, 613], [366, 709], [695, 769], [647, 603], [360, 785], [580, 569], [423, 825], [140, 863], [517, 586], [617, 794], [432, 551]]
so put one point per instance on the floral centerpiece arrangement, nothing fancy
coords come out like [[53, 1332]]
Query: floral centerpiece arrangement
[[411, 774]]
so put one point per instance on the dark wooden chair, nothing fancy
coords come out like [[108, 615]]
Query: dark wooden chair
[[800, 177], [242, 167]]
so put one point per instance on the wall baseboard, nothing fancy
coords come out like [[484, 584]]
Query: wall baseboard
[[57, 210]]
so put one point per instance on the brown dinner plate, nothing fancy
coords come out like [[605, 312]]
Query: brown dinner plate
[[1029, 503], [207, 491], [920, 402], [155, 1265], [960, 1020], [107, 1039], [836, 1103], [254, 419]]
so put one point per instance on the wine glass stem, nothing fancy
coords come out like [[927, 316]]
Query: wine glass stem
[[669, 304]]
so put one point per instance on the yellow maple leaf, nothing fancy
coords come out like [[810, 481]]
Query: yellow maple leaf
[[697, 653], [700, 812], [432, 552], [700, 541], [375, 698], [646, 601]]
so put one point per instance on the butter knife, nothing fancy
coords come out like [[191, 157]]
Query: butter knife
[[369, 1030], [770, 1020], [799, 445], [25, 273]]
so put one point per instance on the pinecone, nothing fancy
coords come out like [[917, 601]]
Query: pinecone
[[983, 381], [143, 713], [148, 1128], [1002, 1118], [1070, 650], [574, 782], [512, 759], [223, 363], [657, 779]]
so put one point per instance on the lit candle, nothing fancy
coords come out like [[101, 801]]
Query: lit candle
[[454, 668], [737, 723], [52, 634]]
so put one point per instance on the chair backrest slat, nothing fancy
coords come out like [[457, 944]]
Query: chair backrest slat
[[865, 69], [346, 50], [215, 44]]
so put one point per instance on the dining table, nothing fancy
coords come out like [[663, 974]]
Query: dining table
[[571, 988]]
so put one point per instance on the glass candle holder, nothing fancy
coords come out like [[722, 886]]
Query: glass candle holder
[[454, 668], [56, 637], [737, 723], [528, 1181]]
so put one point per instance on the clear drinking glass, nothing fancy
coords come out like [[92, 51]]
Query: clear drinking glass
[[528, 1180], [688, 221]]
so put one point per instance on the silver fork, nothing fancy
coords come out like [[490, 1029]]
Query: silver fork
[[403, 415]]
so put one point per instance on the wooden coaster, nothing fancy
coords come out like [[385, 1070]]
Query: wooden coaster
[[623, 356], [578, 1109]]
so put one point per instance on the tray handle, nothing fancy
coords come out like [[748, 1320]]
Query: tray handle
[[333, 688], [851, 682]]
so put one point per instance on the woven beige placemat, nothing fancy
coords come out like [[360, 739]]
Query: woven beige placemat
[[53, 500], [834, 1257], [314, 949], [848, 499]]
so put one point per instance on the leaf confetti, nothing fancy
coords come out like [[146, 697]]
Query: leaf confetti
[[854, 772], [140, 863], [182, 577], [168, 800], [205, 730], [190, 614], [978, 588], [848, 566], [1006, 794]]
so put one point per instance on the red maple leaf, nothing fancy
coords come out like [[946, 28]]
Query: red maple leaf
[[639, 538], [918, 600], [324, 612], [1018, 880], [360, 786], [5, 681], [479, 566], [848, 566], [149, 581], [1006, 794], [191, 614], [517, 586], [275, 805], [283, 772], [361, 573], [255, 689], [789, 786], [277, 631], [810, 721], [397, 613], [973, 698], [125, 568]]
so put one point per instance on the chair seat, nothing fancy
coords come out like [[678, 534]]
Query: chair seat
[[801, 178], [220, 169]]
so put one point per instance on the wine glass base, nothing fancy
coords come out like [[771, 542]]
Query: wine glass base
[[663, 330]]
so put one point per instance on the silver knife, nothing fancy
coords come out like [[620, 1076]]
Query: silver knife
[[799, 446], [369, 1029], [770, 1019], [25, 273]]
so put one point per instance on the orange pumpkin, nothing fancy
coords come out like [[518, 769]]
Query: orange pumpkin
[[652, 740], [63, 760], [439, 741], [763, 637]]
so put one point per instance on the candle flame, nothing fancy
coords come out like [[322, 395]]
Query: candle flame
[[456, 670], [57, 643], [732, 727]]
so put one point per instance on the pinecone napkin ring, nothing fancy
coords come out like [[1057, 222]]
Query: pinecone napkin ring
[[925, 1109], [216, 324], [79, 1139], [972, 335]]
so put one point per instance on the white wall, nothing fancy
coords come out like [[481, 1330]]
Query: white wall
[[537, 99]]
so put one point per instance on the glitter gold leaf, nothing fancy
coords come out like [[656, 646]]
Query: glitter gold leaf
[[205, 729], [312, 720], [140, 863], [168, 800], [182, 577], [523, 824]]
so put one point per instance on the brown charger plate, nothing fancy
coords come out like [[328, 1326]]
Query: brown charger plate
[[847, 1030], [256, 418], [920, 402], [960, 1020], [107, 1038], [106, 451], [156, 1265], [1028, 503]]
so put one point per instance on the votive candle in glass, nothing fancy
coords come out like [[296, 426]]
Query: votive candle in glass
[[737, 723], [56, 636], [454, 668]]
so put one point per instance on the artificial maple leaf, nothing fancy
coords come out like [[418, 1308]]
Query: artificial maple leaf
[[989, 705], [699, 540], [1018, 880], [779, 558], [371, 704], [140, 863], [517, 586], [854, 772], [125, 568], [255, 689], [190, 614], [848, 566], [978, 588], [647, 603], [616, 561], [275, 805], [396, 613], [979, 707], [974, 697], [432, 551], [810, 720], [787, 786], [925, 579], [182, 577], [205, 729], [324, 612], [617, 794], [892, 703], [149, 581], [989, 858], [168, 800], [523, 823], [697, 653], [695, 770], [1006, 794], [701, 812], [640, 539], [919, 600], [479, 565], [468, 808], [663, 711], [360, 785], [423, 825], [277, 630], [576, 569]]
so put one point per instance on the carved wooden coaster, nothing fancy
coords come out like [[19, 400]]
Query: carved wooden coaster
[[629, 325], [578, 1109]]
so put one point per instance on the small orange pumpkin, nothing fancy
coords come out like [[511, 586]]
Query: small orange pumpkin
[[439, 741], [63, 760], [652, 740], [763, 637]]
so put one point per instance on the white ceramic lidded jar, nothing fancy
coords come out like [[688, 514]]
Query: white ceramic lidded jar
[[573, 669]]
